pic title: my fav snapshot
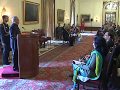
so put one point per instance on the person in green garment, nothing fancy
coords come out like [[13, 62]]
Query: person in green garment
[[91, 68]]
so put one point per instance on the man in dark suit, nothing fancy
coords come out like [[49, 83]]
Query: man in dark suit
[[14, 31], [65, 34], [5, 39]]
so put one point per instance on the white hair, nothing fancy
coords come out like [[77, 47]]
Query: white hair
[[14, 18]]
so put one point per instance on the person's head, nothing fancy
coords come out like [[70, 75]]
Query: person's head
[[15, 19], [99, 44], [100, 33], [5, 18], [73, 25], [108, 36], [118, 33]]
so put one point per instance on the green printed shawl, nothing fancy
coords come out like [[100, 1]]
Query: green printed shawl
[[99, 62], [98, 68]]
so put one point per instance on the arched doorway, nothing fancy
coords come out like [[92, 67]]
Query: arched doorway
[[110, 12]]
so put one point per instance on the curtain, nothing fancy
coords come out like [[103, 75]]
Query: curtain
[[47, 16], [72, 12]]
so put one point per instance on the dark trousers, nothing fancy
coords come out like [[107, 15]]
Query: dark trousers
[[5, 54], [14, 53], [71, 40]]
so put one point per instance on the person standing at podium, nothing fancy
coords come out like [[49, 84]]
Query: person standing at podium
[[14, 31], [5, 39]]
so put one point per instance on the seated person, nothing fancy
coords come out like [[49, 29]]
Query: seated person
[[109, 37], [100, 33], [117, 49], [92, 66]]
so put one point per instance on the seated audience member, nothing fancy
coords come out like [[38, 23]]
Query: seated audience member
[[118, 27], [100, 33], [92, 66], [68, 27], [74, 29], [114, 26], [73, 34], [117, 50], [109, 37]]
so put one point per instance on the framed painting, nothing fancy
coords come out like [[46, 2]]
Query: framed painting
[[85, 18], [60, 15], [30, 12]]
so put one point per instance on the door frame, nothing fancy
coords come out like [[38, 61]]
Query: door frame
[[111, 13]]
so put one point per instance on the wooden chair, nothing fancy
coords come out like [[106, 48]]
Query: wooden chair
[[42, 37], [101, 83]]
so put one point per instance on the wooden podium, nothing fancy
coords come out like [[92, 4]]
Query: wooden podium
[[28, 57]]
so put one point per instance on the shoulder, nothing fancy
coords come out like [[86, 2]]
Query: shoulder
[[12, 26], [95, 52], [1, 25]]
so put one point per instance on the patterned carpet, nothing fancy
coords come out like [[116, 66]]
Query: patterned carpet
[[55, 67]]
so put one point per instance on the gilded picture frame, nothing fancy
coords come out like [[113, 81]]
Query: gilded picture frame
[[85, 17], [30, 12], [60, 15]]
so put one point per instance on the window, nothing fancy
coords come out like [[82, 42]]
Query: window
[[111, 6]]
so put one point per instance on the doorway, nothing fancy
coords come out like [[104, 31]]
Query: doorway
[[110, 12], [110, 17]]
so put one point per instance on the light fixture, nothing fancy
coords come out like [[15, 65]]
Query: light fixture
[[3, 11], [96, 19]]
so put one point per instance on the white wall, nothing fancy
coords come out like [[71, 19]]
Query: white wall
[[15, 8], [65, 5], [94, 8]]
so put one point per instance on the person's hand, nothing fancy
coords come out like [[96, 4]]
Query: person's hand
[[81, 61], [3, 44], [87, 57]]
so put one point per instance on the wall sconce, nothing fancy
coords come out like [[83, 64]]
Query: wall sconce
[[96, 19], [4, 12]]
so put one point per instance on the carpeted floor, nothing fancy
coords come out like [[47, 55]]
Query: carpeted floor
[[55, 66]]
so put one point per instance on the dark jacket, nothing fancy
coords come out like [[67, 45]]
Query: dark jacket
[[4, 33], [14, 31]]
